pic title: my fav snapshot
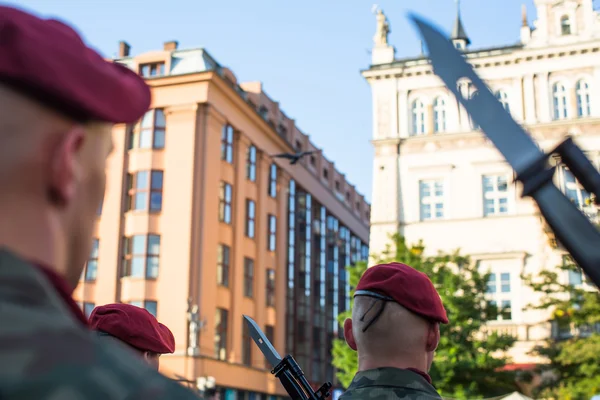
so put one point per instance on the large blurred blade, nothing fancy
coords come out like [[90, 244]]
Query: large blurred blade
[[449, 64], [262, 342]]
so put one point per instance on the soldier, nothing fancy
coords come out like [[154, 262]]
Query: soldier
[[58, 102], [135, 327], [395, 330]]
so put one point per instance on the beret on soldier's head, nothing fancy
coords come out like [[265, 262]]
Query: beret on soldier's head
[[48, 61], [404, 285], [134, 326]]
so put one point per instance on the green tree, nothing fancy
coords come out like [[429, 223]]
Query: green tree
[[467, 361], [573, 370]]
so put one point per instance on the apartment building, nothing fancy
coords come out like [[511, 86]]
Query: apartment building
[[202, 225]]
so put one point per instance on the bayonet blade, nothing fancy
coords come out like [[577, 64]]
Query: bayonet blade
[[450, 65], [262, 342]]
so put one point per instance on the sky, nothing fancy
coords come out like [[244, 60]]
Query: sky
[[308, 54]]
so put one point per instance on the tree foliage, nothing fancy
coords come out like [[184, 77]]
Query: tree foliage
[[573, 354], [467, 361]]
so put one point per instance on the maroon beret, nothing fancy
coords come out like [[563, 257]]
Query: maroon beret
[[134, 326], [47, 60], [404, 285]]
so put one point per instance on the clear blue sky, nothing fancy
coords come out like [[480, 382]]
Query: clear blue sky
[[307, 53]]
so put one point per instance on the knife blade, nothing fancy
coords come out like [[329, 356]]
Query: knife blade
[[262, 342], [517, 147]]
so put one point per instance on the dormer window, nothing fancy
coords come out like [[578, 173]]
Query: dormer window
[[565, 25], [458, 45], [152, 70], [264, 112]]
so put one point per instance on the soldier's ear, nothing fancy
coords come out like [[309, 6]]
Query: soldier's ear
[[348, 335], [433, 337]]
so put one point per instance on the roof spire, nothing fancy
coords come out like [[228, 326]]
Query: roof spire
[[524, 15], [458, 32]]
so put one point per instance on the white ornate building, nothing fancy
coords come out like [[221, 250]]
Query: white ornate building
[[437, 178]]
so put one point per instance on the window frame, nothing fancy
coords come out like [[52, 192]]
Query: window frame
[[251, 158], [149, 190], [225, 202], [129, 256], [223, 264], [496, 195], [250, 227], [221, 333], [439, 115], [560, 102], [157, 132], [418, 118], [583, 92], [432, 200], [158, 66], [249, 277], [273, 175], [93, 258], [227, 143], [270, 287], [272, 233]]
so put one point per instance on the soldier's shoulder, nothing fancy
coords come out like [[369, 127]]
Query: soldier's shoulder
[[387, 393], [40, 359]]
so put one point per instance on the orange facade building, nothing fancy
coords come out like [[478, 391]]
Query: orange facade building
[[201, 225]]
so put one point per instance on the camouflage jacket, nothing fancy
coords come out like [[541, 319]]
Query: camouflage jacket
[[389, 384], [47, 353]]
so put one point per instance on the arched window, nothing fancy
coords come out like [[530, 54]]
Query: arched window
[[565, 25], [559, 97], [418, 118], [503, 99], [439, 115], [583, 99]]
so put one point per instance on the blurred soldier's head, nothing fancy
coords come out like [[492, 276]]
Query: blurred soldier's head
[[135, 327], [395, 318], [58, 102]]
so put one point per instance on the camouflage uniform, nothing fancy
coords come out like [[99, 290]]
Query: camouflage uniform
[[389, 383], [47, 352]]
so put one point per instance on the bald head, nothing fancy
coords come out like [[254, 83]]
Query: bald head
[[397, 337], [52, 181]]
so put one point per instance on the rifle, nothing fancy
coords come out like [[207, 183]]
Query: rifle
[[287, 369]]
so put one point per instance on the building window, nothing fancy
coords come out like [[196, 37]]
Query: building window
[[270, 288], [298, 146], [248, 277], [225, 198], [439, 115], [246, 344], [499, 290], [272, 239], [150, 306], [141, 256], [583, 99], [559, 96], [503, 99], [223, 265], [313, 160], [565, 25], [325, 174], [88, 308], [227, 144], [572, 189], [264, 112], [152, 70], [251, 164], [495, 195], [221, 334], [145, 191], [432, 199], [250, 218], [418, 118], [150, 132], [91, 267], [273, 181], [337, 186]]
